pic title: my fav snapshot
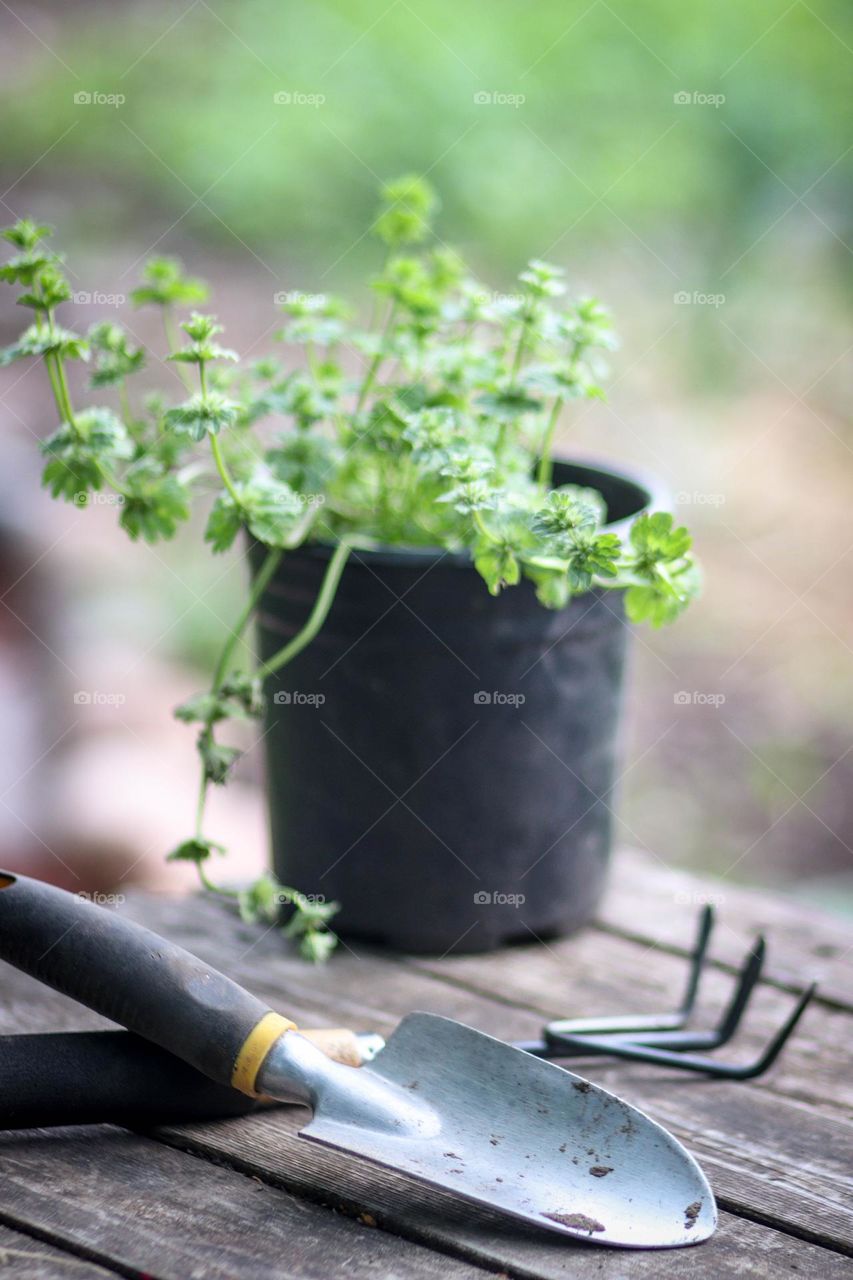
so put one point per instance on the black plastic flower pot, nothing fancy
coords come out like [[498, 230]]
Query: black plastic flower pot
[[439, 761]]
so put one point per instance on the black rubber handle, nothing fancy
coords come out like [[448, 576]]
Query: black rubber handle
[[104, 1077], [127, 973]]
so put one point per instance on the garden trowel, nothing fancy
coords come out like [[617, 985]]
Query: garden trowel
[[441, 1103]]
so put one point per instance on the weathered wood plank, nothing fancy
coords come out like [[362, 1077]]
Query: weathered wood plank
[[151, 1210], [599, 973], [652, 902], [592, 973], [27, 1259], [267, 1146], [761, 1174]]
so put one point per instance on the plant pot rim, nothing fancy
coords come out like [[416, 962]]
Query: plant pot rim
[[657, 497]]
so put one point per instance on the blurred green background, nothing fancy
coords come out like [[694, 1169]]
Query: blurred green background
[[689, 163]]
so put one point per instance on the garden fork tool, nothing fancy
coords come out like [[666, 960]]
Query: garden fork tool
[[440, 1103], [663, 1039]]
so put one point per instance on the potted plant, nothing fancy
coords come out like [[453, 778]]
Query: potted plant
[[441, 603]]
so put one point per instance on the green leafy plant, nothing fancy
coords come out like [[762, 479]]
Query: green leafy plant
[[443, 440]]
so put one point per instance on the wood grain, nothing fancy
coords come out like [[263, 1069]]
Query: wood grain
[[25, 1258], [130, 1202], [652, 902], [778, 1150]]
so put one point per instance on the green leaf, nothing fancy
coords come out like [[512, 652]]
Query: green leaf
[[216, 758], [304, 462], [154, 503], [239, 696], [272, 510], [409, 284], [408, 204], [49, 286], [592, 557], [262, 901], [244, 691], [497, 565], [507, 405], [72, 477], [542, 280], [116, 358], [196, 850], [665, 596], [38, 340], [563, 515], [26, 233], [649, 604], [654, 539], [164, 284], [316, 946], [202, 353], [76, 452], [201, 708], [201, 327], [202, 415], [224, 523], [552, 586], [307, 399], [470, 496]]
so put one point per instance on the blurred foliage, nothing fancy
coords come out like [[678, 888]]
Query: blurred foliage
[[597, 148], [600, 170]]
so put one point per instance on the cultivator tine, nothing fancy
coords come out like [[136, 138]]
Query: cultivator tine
[[728, 1024], [616, 1047], [632, 1022], [663, 1039]]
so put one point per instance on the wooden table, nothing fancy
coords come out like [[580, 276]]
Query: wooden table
[[245, 1198]]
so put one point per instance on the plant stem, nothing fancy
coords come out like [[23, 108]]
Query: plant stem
[[259, 585], [373, 369], [546, 464], [54, 386], [519, 354], [172, 346], [483, 527], [63, 386], [318, 616], [218, 457], [214, 888], [201, 801], [58, 381], [222, 468]]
